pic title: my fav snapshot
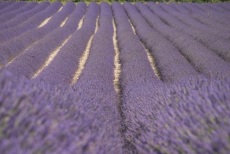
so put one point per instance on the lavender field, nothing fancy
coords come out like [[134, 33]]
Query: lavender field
[[114, 78]]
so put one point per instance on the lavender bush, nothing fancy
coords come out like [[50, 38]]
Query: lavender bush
[[18, 11], [24, 16], [56, 72], [188, 46], [29, 24], [15, 46], [25, 65], [173, 66]]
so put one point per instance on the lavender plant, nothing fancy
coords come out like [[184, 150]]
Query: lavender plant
[[29, 24], [24, 64], [24, 16], [11, 8], [17, 45], [188, 46], [7, 16], [217, 44], [173, 66], [56, 72]]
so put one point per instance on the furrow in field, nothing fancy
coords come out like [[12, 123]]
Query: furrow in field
[[84, 57], [13, 14], [190, 47], [57, 72], [44, 22], [216, 20], [202, 26], [96, 82], [136, 79], [134, 31], [60, 9], [30, 61], [117, 64], [80, 23], [171, 64], [24, 16], [216, 44], [50, 58], [5, 5], [202, 13], [32, 23], [13, 48], [202, 17], [225, 6], [204, 10], [150, 57], [10, 8]]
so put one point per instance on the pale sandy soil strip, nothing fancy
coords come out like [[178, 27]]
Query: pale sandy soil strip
[[80, 23], [50, 58], [44, 22], [117, 70], [152, 62], [63, 23], [149, 56], [60, 9], [84, 57], [12, 59], [47, 20], [134, 31]]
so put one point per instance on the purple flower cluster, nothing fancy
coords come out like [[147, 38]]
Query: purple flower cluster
[[12, 7], [15, 46], [173, 66], [56, 72], [188, 117], [24, 16], [32, 23], [35, 56], [40, 118], [133, 58], [11, 14], [218, 44], [189, 47], [5, 5]]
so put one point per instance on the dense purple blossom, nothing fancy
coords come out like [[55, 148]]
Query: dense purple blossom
[[56, 72], [14, 13], [189, 47], [133, 59], [5, 5], [24, 16], [12, 48], [11, 7], [152, 80], [36, 117], [173, 66], [98, 71], [29, 24], [25, 64], [216, 43], [219, 17]]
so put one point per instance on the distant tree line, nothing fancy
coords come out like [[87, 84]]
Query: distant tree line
[[194, 1]]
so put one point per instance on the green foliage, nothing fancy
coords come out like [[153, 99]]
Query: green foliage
[[122, 1]]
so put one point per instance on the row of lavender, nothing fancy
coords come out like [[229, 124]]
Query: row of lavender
[[145, 117], [179, 50], [83, 118], [189, 117]]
